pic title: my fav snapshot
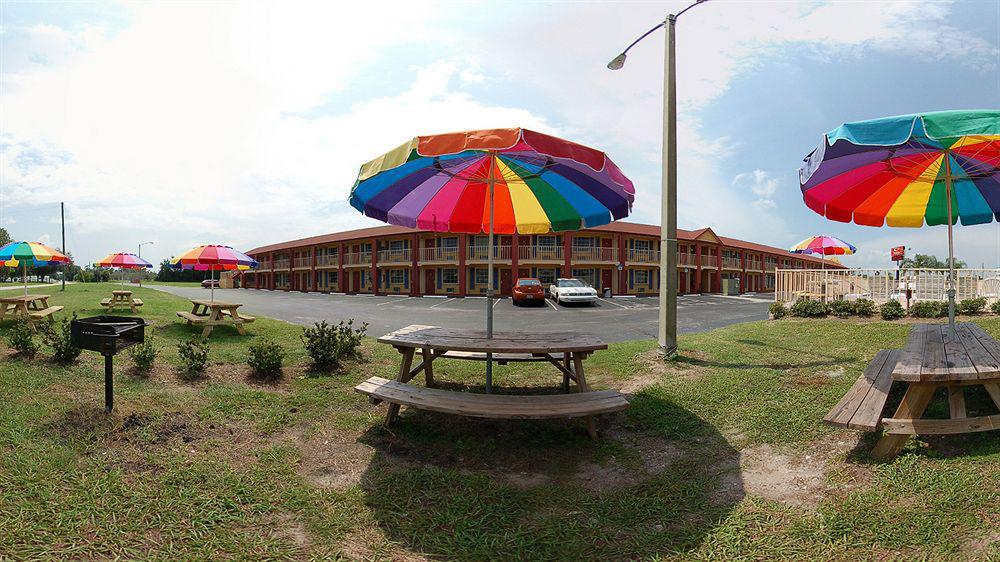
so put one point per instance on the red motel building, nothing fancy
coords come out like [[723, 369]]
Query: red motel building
[[623, 257]]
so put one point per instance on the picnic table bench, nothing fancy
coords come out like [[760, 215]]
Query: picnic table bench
[[209, 314], [933, 358], [123, 299], [565, 351], [33, 307]]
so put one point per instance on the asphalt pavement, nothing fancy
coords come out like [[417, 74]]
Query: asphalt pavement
[[614, 319]]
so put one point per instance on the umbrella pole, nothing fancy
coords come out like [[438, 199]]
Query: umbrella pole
[[489, 280], [951, 245], [24, 276], [211, 279]]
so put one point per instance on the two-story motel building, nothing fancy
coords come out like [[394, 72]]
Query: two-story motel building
[[620, 256]]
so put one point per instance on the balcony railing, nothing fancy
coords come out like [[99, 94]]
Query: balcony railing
[[281, 264], [265, 266], [588, 255], [642, 256], [686, 259], [481, 253], [732, 263], [358, 258], [770, 267], [394, 256], [326, 261], [444, 254], [302, 262], [540, 253]]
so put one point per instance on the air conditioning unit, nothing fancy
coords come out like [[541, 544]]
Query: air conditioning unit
[[731, 287]]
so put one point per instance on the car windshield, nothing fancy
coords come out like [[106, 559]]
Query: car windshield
[[528, 282], [571, 283]]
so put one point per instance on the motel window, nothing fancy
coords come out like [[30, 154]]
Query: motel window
[[588, 276], [547, 241], [397, 245], [583, 242], [449, 276], [546, 275], [366, 277], [450, 243], [331, 277], [397, 276], [481, 275], [641, 277], [641, 245]]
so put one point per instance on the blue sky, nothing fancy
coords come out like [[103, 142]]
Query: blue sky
[[245, 123]]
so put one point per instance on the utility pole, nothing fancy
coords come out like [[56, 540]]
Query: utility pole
[[62, 219]]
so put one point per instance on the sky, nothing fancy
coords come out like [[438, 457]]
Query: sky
[[245, 123]]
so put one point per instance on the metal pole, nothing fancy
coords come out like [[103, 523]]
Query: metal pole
[[951, 245], [667, 333], [489, 280], [62, 219], [109, 385]]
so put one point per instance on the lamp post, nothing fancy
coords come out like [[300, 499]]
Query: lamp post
[[667, 332], [141, 244]]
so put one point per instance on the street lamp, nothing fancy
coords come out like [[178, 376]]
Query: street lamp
[[141, 244], [667, 333]]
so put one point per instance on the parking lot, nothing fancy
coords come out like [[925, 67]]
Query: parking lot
[[615, 319]]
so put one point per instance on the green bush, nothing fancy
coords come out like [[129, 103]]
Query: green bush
[[327, 345], [891, 310], [928, 309], [972, 306], [995, 307], [22, 339], [194, 357], [841, 309], [143, 355], [57, 336], [864, 307], [778, 310], [265, 358], [805, 308]]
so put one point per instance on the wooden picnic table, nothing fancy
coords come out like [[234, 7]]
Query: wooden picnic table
[[565, 351], [33, 307], [122, 299], [935, 358], [209, 313]]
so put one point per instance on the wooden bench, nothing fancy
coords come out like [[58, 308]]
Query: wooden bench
[[192, 318], [106, 301], [861, 408], [494, 406], [36, 315], [136, 301]]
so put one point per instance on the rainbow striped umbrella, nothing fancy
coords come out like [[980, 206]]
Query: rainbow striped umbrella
[[123, 261], [934, 168], [493, 181], [35, 253], [212, 258], [824, 246]]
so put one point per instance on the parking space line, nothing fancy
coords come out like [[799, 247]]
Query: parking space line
[[609, 302], [496, 302], [439, 303], [394, 301], [550, 303]]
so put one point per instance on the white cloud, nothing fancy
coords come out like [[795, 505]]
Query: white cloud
[[761, 184]]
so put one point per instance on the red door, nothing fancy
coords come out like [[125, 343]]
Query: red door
[[356, 281], [430, 281], [505, 286], [606, 245], [605, 279]]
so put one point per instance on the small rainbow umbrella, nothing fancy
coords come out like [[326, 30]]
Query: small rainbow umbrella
[[213, 258], [493, 181], [910, 170], [824, 246], [123, 261], [37, 254]]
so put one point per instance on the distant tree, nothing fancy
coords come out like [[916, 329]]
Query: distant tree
[[5, 237], [928, 261], [167, 273]]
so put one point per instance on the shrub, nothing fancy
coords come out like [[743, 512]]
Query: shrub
[[928, 309], [265, 357], [972, 306], [327, 344], [891, 310], [778, 310], [864, 307], [194, 357], [57, 336], [807, 308], [143, 354], [995, 307], [22, 339], [841, 309]]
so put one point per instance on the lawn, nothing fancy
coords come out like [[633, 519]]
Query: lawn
[[721, 456]]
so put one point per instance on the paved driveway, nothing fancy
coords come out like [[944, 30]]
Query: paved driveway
[[615, 319]]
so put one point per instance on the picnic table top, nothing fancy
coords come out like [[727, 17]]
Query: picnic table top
[[933, 354], [449, 339], [215, 304], [121, 292], [23, 298]]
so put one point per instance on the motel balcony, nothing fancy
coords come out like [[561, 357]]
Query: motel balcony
[[302, 263], [265, 266], [281, 265], [595, 255], [481, 253], [402, 256], [439, 255], [326, 261], [686, 259], [642, 256], [540, 254], [770, 267], [732, 263], [754, 266], [355, 259]]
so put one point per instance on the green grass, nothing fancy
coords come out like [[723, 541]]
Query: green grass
[[226, 467]]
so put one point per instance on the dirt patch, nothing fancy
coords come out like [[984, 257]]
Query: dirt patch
[[654, 369], [170, 375], [985, 546], [327, 458], [368, 543]]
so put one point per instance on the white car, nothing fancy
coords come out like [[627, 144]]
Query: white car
[[572, 290]]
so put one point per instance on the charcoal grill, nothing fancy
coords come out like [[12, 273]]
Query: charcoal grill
[[107, 335]]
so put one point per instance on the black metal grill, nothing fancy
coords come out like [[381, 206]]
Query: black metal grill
[[107, 335]]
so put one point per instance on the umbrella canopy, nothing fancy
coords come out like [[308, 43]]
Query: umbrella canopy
[[540, 184], [123, 261], [910, 170], [213, 257], [823, 245], [494, 181], [35, 253]]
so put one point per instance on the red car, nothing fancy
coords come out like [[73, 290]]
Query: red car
[[527, 290]]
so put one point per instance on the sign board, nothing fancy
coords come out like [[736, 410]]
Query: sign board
[[898, 253]]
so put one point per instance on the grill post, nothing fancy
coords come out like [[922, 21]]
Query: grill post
[[109, 384]]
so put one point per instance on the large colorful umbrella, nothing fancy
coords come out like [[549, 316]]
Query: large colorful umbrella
[[123, 261], [493, 181], [824, 246], [35, 253], [934, 168], [213, 258]]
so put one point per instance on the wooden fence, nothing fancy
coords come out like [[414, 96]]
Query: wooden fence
[[881, 285]]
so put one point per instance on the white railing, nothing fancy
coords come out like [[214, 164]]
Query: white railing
[[327, 260], [358, 258], [881, 285], [481, 253], [591, 255], [442, 254], [642, 256], [281, 264], [302, 262], [394, 256], [540, 253], [732, 263]]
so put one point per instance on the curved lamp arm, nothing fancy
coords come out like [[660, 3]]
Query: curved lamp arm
[[619, 61]]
